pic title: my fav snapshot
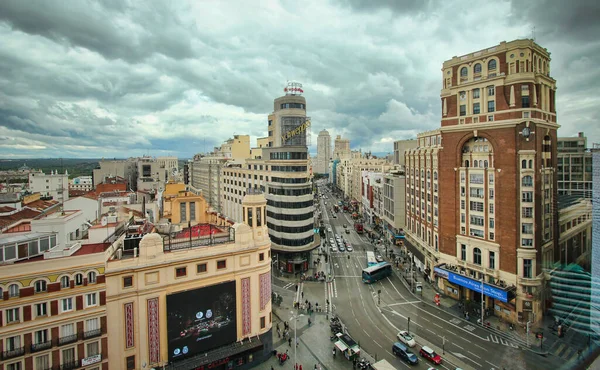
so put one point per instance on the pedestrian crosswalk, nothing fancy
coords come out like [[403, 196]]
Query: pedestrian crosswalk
[[565, 352]]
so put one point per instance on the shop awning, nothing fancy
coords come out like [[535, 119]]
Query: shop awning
[[341, 346]]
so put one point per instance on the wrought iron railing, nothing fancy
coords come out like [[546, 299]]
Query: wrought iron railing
[[92, 333], [67, 339], [74, 364], [15, 352], [41, 346]]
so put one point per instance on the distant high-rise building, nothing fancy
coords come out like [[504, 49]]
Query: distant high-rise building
[[323, 152], [341, 149], [399, 147], [497, 139], [574, 166]]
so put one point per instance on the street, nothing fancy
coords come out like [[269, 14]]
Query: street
[[375, 313]]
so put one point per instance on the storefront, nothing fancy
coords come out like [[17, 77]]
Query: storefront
[[458, 286], [244, 355]]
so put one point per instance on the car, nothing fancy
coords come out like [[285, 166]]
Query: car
[[331, 241], [404, 337], [332, 248], [334, 216], [345, 226], [349, 247], [430, 355], [378, 258], [400, 350], [347, 231], [341, 248]]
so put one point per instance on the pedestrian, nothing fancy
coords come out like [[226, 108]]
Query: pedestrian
[[277, 325], [296, 287], [316, 367], [302, 294], [278, 333], [290, 341], [272, 368], [300, 368], [297, 342]]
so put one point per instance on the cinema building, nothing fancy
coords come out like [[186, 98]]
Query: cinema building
[[481, 190], [198, 299]]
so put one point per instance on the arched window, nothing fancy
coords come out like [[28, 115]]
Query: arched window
[[539, 65], [40, 286], [544, 66], [477, 256], [480, 163], [1, 294], [474, 163], [530, 163], [492, 64], [435, 175], [464, 72], [477, 68], [78, 279], [13, 290], [428, 175], [527, 181], [91, 277], [467, 163], [524, 164], [65, 282], [485, 163]]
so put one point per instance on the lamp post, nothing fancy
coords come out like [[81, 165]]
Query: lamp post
[[295, 318], [482, 298]]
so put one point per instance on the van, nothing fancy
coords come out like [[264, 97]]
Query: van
[[402, 351]]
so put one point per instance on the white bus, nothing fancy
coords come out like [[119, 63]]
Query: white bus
[[371, 261]]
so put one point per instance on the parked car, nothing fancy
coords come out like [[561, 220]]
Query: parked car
[[349, 247], [404, 353], [331, 241], [341, 248], [406, 338], [430, 355]]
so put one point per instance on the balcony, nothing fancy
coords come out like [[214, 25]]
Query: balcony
[[92, 333], [41, 346], [69, 365], [68, 339], [16, 352], [529, 281]]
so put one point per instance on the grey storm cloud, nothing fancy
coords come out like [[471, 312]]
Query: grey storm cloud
[[116, 78]]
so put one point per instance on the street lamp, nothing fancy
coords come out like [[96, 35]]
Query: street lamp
[[295, 318]]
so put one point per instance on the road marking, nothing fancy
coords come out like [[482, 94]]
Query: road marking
[[439, 326], [431, 331], [475, 344], [367, 334], [470, 327], [456, 321], [461, 356], [347, 276], [402, 303], [398, 314], [474, 355], [491, 364], [377, 344], [458, 346], [288, 285]]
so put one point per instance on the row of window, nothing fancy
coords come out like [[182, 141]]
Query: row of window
[[286, 180], [477, 256], [464, 71], [26, 249], [290, 229], [41, 286], [289, 205], [491, 107], [288, 155], [290, 192], [292, 242], [286, 217], [293, 106], [13, 315], [289, 168]]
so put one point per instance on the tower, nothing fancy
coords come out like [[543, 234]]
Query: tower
[[323, 152]]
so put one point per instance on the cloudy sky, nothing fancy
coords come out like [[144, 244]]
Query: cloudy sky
[[118, 78]]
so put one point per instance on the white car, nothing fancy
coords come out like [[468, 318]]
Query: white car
[[331, 241], [349, 247], [406, 338]]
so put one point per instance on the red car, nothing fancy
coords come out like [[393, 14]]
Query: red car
[[430, 355]]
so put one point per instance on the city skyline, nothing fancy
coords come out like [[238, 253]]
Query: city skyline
[[126, 79]]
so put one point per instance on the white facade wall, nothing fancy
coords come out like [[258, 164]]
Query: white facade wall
[[89, 207], [53, 184], [68, 226]]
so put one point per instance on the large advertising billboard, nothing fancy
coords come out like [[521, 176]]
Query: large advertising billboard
[[201, 319], [471, 284]]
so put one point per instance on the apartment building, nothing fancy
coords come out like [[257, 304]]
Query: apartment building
[[54, 184], [215, 283], [123, 168], [394, 205], [53, 303], [283, 174], [359, 165], [182, 207], [206, 175], [400, 146], [371, 196], [574, 166], [498, 127], [81, 183]]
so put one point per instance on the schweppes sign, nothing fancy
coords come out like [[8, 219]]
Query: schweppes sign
[[298, 130]]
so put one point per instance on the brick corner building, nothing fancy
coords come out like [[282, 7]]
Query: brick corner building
[[482, 189]]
